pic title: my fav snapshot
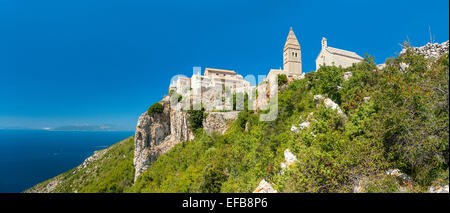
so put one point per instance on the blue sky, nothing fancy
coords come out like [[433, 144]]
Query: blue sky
[[106, 62]]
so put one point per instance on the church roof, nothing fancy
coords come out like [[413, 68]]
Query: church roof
[[337, 51], [291, 41]]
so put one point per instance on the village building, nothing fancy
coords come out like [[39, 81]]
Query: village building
[[212, 78], [330, 56]]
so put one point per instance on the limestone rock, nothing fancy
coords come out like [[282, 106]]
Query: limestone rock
[[289, 157], [403, 67], [438, 189], [330, 104], [289, 160], [294, 129], [156, 134], [218, 121], [404, 178], [318, 98], [264, 187], [304, 125], [429, 50], [347, 75]]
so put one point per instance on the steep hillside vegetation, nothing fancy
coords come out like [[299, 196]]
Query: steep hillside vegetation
[[396, 117], [392, 118], [108, 170]]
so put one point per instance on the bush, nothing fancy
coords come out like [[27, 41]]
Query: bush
[[196, 118], [155, 108], [282, 79]]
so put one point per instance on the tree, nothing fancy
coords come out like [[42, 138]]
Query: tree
[[282, 79]]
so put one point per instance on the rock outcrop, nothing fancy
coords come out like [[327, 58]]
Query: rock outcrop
[[347, 75], [438, 189], [156, 134], [330, 104], [289, 158], [404, 178], [430, 50], [304, 125], [264, 187]]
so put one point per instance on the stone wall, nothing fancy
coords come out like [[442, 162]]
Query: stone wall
[[430, 50], [219, 121]]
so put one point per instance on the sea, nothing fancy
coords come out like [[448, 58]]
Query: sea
[[28, 157]]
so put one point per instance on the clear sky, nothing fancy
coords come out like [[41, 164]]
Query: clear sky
[[105, 62]]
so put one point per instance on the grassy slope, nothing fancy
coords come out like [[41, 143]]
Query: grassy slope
[[112, 172]]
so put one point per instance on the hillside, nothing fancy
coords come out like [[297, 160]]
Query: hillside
[[108, 170], [359, 129]]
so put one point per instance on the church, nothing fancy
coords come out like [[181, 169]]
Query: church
[[292, 58], [330, 56], [292, 68]]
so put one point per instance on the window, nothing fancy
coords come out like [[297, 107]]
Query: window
[[292, 53], [295, 54]]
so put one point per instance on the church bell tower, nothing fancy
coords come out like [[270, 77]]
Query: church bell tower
[[292, 55]]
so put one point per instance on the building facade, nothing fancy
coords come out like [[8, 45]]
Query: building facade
[[212, 78], [330, 56]]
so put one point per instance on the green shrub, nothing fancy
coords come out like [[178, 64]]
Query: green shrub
[[196, 118], [155, 108], [282, 79]]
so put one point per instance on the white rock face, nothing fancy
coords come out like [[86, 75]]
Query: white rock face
[[430, 50], [264, 187], [330, 104], [347, 75], [157, 134], [438, 189], [160, 132], [366, 99]]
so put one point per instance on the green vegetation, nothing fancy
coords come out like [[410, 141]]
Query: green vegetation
[[282, 79], [155, 108], [196, 118], [404, 125]]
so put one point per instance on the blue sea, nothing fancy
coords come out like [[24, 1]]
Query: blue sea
[[28, 157]]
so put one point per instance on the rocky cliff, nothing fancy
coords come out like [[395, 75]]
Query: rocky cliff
[[156, 134]]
